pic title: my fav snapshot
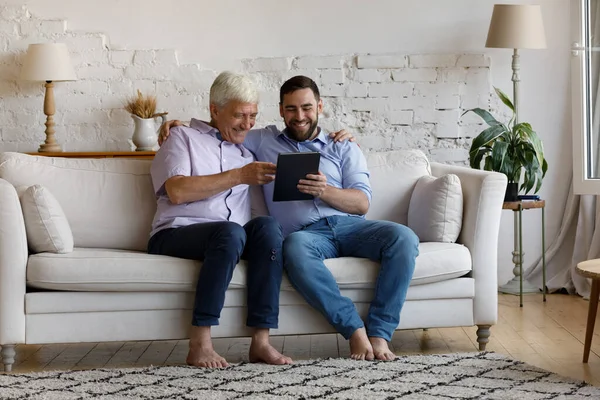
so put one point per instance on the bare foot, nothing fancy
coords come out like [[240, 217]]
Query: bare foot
[[360, 347], [205, 357], [381, 349], [264, 352]]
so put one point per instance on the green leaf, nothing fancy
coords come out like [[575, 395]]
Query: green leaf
[[505, 99], [485, 137], [498, 154], [475, 162], [485, 115]]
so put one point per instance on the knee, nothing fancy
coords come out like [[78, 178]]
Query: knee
[[405, 240], [294, 246], [232, 236], [269, 225]]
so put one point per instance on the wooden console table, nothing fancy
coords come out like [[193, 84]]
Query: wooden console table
[[146, 155]]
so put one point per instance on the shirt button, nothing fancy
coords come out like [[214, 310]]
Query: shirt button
[[273, 258]]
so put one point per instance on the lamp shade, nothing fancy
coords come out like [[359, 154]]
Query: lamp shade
[[516, 26], [47, 62]]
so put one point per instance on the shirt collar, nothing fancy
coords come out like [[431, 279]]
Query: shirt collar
[[322, 136], [204, 127]]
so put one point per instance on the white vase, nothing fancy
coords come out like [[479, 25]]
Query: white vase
[[145, 135]]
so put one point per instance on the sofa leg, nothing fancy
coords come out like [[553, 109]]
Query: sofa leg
[[8, 356], [483, 334]]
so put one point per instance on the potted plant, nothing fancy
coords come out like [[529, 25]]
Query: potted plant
[[513, 149], [143, 111]]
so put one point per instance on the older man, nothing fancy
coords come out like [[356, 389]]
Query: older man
[[201, 177]]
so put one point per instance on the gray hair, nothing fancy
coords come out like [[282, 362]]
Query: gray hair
[[230, 86]]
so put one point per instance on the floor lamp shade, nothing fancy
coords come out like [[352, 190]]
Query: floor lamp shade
[[516, 26], [48, 62]]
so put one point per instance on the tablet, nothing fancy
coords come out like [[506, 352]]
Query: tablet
[[291, 167]]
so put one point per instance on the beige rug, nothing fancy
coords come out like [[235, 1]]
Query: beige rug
[[453, 376]]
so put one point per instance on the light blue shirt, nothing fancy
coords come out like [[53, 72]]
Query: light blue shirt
[[343, 164], [197, 151]]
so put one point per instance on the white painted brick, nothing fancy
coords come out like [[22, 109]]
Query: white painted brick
[[269, 97], [269, 112], [469, 101], [99, 72], [453, 74], [332, 76], [445, 155], [470, 118], [121, 58], [415, 75], [78, 102], [432, 60], [411, 102], [332, 90], [165, 57], [24, 118], [25, 103], [179, 102], [158, 72], [120, 87], [374, 142], [86, 87], [119, 117], [8, 28], [143, 57], [471, 130], [145, 86], [399, 117], [43, 27], [447, 102], [447, 131], [9, 71], [436, 89], [91, 57], [80, 43], [372, 75], [269, 64], [473, 60], [78, 117], [479, 80], [7, 88], [314, 74], [381, 61], [357, 90], [360, 104], [324, 62], [424, 116], [14, 12], [191, 73], [10, 134], [390, 89], [113, 101], [447, 117]]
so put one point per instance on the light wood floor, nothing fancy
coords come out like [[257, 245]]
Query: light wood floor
[[548, 335]]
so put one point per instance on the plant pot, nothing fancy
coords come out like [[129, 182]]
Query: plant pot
[[512, 192]]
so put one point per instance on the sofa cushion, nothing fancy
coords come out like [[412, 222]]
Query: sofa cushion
[[393, 176], [436, 209], [121, 270], [109, 203], [45, 222]]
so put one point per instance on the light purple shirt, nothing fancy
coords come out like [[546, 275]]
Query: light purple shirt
[[198, 151]]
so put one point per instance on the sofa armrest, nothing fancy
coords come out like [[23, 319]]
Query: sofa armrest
[[483, 194], [13, 262]]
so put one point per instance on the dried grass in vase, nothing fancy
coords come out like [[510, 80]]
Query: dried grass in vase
[[142, 106]]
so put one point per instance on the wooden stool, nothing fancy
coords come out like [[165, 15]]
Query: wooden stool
[[590, 269]]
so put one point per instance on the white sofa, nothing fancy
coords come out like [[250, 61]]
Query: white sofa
[[109, 289]]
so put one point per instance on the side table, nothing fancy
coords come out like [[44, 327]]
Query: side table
[[146, 155], [590, 269], [517, 207]]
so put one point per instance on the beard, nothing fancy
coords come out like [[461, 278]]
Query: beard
[[301, 136]]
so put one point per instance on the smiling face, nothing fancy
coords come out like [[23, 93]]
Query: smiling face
[[300, 111], [234, 119]]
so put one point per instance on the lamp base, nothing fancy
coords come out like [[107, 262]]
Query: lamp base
[[49, 148]]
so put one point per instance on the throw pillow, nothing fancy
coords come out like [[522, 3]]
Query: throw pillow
[[436, 208], [47, 227]]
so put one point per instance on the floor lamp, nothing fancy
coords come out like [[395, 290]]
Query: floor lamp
[[516, 26], [48, 62]]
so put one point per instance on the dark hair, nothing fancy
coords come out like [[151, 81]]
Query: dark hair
[[296, 83]]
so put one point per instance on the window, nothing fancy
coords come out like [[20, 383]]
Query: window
[[585, 79]]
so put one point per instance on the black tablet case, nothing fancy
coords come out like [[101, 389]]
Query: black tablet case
[[291, 167]]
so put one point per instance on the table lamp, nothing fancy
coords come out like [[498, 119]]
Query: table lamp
[[49, 62], [516, 26]]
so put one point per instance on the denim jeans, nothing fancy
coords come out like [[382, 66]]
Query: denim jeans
[[395, 246], [220, 245]]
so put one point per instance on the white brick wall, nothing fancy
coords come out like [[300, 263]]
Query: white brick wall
[[388, 101]]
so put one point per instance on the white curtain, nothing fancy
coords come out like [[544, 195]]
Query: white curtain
[[578, 239]]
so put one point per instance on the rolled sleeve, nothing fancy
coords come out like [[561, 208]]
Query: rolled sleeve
[[172, 159], [355, 173]]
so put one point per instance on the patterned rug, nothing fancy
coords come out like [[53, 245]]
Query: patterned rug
[[449, 376]]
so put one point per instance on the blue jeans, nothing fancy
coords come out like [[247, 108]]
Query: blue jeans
[[220, 245], [395, 246]]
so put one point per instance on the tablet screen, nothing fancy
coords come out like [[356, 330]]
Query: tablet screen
[[291, 167]]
